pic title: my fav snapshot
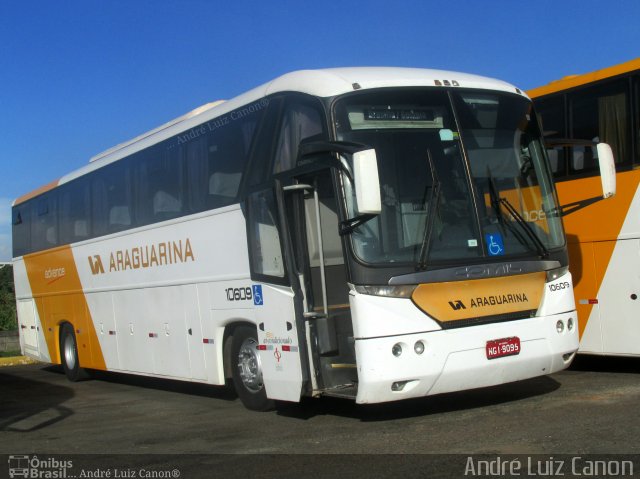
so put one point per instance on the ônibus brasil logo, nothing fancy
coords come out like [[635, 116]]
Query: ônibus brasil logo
[[34, 467]]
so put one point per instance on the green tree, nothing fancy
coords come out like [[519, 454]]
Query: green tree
[[7, 299]]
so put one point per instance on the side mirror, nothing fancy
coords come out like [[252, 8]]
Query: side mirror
[[364, 174], [605, 160], [367, 182], [607, 170]]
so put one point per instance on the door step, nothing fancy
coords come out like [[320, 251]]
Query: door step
[[348, 391]]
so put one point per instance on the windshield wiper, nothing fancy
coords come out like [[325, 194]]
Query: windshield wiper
[[495, 199], [347, 226], [497, 202], [434, 200], [542, 249]]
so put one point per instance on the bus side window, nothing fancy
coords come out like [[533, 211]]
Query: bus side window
[[259, 170], [74, 212], [216, 161], [601, 114], [636, 122], [300, 120], [215, 165], [554, 160], [111, 199], [226, 156], [552, 119], [265, 249], [583, 159], [159, 186], [44, 224], [21, 230]]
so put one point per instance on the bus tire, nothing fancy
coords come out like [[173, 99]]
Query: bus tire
[[69, 355], [247, 370]]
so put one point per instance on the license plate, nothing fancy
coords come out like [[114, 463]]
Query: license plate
[[498, 348]]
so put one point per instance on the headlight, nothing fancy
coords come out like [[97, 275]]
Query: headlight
[[404, 291], [554, 274]]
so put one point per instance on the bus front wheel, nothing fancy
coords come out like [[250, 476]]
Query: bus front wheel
[[69, 355], [247, 370]]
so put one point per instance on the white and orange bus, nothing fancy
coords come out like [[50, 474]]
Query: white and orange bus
[[603, 237], [359, 232]]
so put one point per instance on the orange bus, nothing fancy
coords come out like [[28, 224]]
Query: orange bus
[[603, 239]]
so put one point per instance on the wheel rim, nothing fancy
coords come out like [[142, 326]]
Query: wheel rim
[[249, 366], [69, 352]]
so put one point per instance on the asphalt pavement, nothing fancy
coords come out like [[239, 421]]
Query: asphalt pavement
[[590, 409]]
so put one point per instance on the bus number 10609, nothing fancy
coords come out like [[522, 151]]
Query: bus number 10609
[[239, 294]]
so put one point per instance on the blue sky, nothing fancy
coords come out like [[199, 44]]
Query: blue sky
[[77, 77]]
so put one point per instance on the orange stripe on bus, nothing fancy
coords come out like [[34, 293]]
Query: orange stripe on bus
[[573, 81], [454, 301], [39, 191], [57, 291], [592, 232]]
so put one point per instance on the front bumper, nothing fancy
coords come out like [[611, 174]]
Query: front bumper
[[456, 359]]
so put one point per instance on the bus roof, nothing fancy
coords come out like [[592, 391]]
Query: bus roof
[[321, 83], [573, 81]]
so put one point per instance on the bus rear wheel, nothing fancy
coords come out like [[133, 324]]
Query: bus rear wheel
[[247, 370], [69, 355]]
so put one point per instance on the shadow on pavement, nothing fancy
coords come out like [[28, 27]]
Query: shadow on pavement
[[606, 364], [183, 387], [442, 403], [29, 405]]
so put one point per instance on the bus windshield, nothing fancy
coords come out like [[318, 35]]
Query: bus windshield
[[463, 176]]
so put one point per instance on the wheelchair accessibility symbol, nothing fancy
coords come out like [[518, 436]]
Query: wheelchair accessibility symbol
[[257, 295], [495, 245]]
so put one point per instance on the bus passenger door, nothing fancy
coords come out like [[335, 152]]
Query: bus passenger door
[[279, 344], [312, 211]]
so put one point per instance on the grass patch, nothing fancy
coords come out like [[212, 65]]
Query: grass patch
[[16, 361]]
